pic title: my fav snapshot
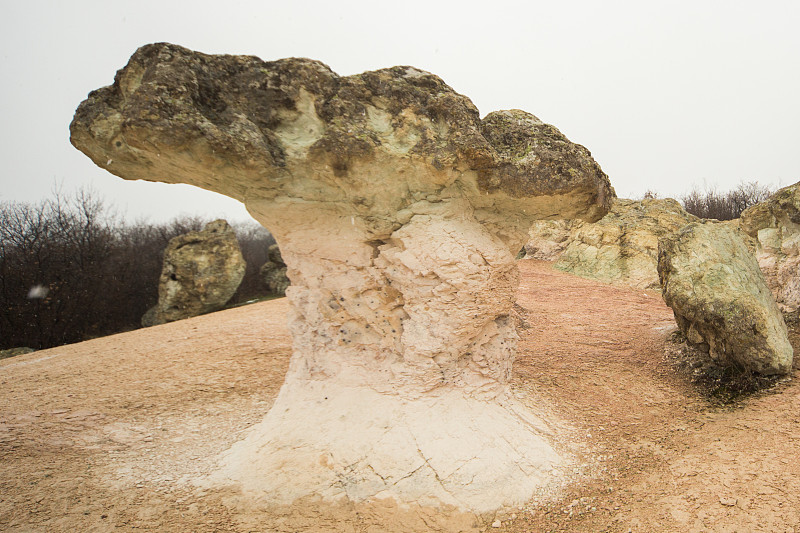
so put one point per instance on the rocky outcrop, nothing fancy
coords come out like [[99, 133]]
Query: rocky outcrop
[[399, 212], [273, 272], [622, 247], [775, 224], [201, 272], [547, 239], [720, 299]]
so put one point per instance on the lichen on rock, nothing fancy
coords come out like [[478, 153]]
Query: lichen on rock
[[721, 302], [398, 212], [622, 247]]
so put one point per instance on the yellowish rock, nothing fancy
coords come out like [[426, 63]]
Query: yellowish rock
[[622, 247], [201, 272]]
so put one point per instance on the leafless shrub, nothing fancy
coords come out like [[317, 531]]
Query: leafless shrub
[[711, 203]]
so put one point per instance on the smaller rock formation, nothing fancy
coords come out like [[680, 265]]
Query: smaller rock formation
[[273, 272], [775, 224], [548, 239], [202, 270], [622, 247], [720, 299]]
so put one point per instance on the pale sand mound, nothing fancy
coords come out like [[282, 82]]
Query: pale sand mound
[[112, 434]]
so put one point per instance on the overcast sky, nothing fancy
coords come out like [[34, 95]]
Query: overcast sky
[[666, 95]]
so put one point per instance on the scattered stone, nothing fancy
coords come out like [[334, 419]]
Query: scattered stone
[[775, 224], [273, 272], [399, 212], [202, 270], [720, 299], [13, 352], [728, 502], [497, 523], [622, 247]]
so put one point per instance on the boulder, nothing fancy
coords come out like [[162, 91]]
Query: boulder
[[721, 301], [201, 272], [273, 272], [622, 247], [775, 224], [399, 213]]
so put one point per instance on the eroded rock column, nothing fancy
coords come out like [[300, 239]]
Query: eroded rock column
[[398, 386], [398, 212], [429, 305]]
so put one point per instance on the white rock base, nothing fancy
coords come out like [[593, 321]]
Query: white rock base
[[445, 449]]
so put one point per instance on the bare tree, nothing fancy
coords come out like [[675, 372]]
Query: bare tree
[[71, 270], [51, 258]]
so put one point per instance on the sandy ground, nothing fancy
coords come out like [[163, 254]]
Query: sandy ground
[[110, 434]]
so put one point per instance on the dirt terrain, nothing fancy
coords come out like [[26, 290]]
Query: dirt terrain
[[117, 433]]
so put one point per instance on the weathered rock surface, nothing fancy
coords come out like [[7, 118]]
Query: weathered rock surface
[[202, 270], [622, 247], [714, 286], [775, 224], [547, 239], [398, 212], [273, 272]]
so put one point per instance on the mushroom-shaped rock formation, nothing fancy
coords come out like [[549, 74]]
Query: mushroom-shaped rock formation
[[398, 212]]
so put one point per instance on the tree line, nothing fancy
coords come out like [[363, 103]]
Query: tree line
[[71, 270], [724, 205]]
